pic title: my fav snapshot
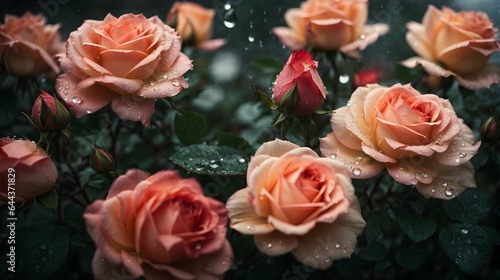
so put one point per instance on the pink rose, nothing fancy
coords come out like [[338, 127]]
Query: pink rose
[[28, 46], [129, 61], [417, 137], [158, 227], [34, 172], [463, 42], [48, 113], [329, 26], [194, 24], [299, 89], [297, 202]]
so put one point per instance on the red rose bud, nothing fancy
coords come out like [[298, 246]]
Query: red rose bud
[[48, 113], [101, 161], [365, 77], [490, 130], [299, 90]]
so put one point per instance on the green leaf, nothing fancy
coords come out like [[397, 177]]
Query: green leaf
[[417, 228], [189, 126], [471, 206], [73, 215], [412, 257], [49, 199], [266, 99], [373, 252], [381, 265], [468, 246], [378, 222], [43, 249], [350, 268], [211, 160], [231, 140]]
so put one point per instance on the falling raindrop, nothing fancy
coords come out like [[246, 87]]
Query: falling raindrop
[[464, 230], [251, 39], [344, 79], [230, 17]]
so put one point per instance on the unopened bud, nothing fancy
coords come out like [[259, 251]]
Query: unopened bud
[[49, 114], [490, 130], [101, 161]]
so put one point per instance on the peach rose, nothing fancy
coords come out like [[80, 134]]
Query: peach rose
[[129, 61], [297, 202], [463, 42], [28, 46], [329, 25], [194, 24], [158, 227], [299, 89], [417, 137], [35, 173]]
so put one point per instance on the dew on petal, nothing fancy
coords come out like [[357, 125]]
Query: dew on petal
[[449, 192], [462, 154], [356, 171], [76, 100]]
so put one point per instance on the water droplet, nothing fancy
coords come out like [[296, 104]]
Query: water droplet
[[269, 245], [327, 260], [251, 39], [344, 79], [214, 163], [241, 160], [457, 160], [152, 83], [462, 154], [445, 184], [164, 76], [433, 190], [464, 230], [337, 245], [333, 155], [449, 192], [89, 111], [251, 228], [176, 83], [356, 171], [43, 246], [413, 181], [230, 17], [76, 100], [199, 166], [197, 246]]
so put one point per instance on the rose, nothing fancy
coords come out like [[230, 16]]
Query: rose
[[297, 202], [159, 227], [299, 89], [194, 24], [48, 113], [463, 42], [129, 61], [329, 26], [365, 77], [28, 45], [417, 137], [35, 173]]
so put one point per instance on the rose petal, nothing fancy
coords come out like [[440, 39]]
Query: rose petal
[[484, 78], [415, 37], [243, 217], [369, 36], [275, 243], [275, 148], [104, 270], [128, 181], [289, 38], [461, 148], [211, 45], [430, 67], [128, 107]]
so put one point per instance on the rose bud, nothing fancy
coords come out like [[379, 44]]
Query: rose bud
[[101, 161], [299, 90], [489, 129], [365, 77], [48, 113]]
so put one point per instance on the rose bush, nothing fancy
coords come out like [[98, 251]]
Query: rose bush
[[417, 137], [35, 173], [159, 227], [463, 42], [194, 24], [28, 45], [297, 202], [129, 61], [299, 89], [315, 22]]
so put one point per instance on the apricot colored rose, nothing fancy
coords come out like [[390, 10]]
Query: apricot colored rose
[[297, 202], [329, 25], [128, 61], [28, 45], [194, 24], [34, 172], [463, 42], [158, 227], [299, 88], [417, 137]]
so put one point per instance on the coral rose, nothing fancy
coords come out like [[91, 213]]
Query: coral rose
[[194, 24], [28, 46], [129, 61], [417, 137], [158, 227], [329, 25], [463, 42], [34, 171], [299, 89], [297, 202]]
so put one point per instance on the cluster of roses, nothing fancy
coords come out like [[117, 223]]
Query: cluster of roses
[[295, 201]]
